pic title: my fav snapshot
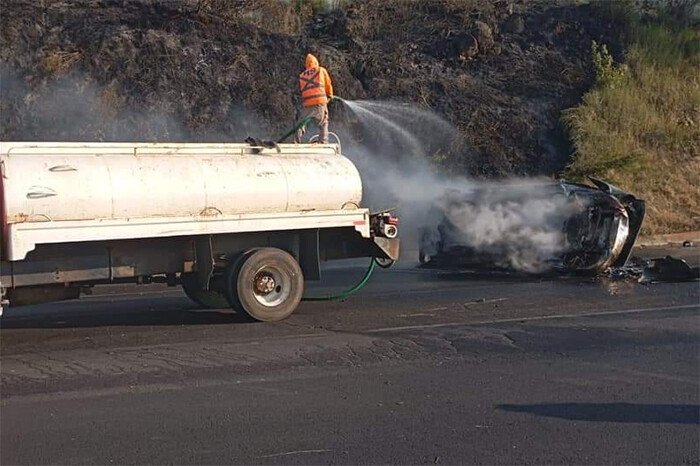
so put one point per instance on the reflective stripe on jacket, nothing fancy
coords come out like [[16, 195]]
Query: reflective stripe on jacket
[[313, 87]]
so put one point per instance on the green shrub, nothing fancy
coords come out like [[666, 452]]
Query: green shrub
[[639, 126], [606, 71]]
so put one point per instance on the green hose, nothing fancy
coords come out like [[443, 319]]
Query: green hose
[[303, 123], [346, 293]]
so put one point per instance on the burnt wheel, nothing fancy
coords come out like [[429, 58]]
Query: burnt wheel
[[423, 257], [267, 284]]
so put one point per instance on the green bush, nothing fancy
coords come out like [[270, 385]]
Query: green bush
[[606, 71], [639, 126]]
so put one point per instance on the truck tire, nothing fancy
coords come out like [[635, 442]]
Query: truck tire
[[267, 284]]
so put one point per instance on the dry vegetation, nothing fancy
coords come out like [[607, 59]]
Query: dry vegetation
[[500, 71], [639, 126], [59, 61]]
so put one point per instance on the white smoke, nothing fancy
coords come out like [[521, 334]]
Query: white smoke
[[520, 225], [517, 222], [73, 107]]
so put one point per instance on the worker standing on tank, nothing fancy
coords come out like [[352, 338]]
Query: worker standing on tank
[[316, 90]]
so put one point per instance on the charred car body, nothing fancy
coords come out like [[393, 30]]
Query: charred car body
[[558, 225]]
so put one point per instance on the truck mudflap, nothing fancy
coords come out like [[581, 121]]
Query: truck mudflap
[[387, 248], [385, 227]]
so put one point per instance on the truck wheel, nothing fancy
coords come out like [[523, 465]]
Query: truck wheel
[[423, 257], [206, 298], [267, 284]]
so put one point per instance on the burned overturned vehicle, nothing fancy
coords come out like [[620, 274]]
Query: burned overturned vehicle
[[532, 227]]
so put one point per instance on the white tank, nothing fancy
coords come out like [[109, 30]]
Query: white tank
[[93, 181]]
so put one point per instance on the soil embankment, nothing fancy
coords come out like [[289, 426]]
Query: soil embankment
[[501, 72]]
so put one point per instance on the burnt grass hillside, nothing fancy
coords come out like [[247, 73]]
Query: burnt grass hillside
[[500, 71]]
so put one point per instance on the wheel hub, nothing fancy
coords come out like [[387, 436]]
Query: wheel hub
[[265, 283], [271, 286]]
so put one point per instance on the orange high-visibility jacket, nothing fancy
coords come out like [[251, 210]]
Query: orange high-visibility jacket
[[315, 83]]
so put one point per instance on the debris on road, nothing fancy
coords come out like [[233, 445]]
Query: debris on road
[[662, 269], [669, 269]]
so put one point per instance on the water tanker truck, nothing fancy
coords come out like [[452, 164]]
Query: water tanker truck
[[236, 225]]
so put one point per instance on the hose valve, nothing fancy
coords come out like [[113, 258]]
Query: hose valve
[[386, 225]]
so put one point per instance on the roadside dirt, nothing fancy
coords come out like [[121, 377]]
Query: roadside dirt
[[501, 71]]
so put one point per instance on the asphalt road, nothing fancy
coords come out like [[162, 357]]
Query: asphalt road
[[419, 367]]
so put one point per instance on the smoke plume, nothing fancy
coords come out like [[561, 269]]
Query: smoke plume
[[73, 107], [516, 223], [395, 146]]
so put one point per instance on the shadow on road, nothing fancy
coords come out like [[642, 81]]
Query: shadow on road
[[456, 273], [509, 276], [166, 311], [612, 412]]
